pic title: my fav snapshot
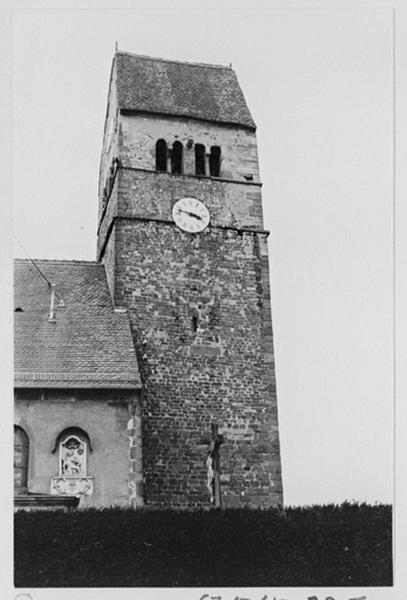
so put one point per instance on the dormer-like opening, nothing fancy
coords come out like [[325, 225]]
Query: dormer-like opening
[[18, 309], [214, 161], [161, 155], [199, 159], [176, 157]]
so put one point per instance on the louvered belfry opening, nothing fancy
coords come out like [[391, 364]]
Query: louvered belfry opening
[[214, 161], [161, 152], [176, 157], [199, 159]]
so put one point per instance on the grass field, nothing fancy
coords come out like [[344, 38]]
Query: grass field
[[346, 545]]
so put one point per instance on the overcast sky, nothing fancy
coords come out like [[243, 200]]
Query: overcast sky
[[319, 86]]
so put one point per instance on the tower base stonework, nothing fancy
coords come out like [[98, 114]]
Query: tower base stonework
[[204, 346]]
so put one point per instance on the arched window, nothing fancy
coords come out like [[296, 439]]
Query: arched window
[[161, 155], [199, 159], [21, 455], [72, 446], [176, 157], [214, 161]]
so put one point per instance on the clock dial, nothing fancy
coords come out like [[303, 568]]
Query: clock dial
[[190, 215]]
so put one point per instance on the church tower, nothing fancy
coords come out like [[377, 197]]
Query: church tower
[[181, 236]]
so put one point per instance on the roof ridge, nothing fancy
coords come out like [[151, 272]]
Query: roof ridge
[[59, 260], [170, 60]]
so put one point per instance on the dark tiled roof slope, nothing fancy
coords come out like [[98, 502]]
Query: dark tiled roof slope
[[208, 92], [89, 345]]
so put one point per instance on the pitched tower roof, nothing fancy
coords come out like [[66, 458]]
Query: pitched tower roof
[[200, 91]]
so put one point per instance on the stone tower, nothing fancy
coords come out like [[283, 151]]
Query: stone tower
[[182, 239]]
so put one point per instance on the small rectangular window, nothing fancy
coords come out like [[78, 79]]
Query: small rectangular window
[[161, 155], [214, 161], [199, 159], [176, 157]]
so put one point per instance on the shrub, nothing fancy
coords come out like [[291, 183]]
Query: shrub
[[347, 545]]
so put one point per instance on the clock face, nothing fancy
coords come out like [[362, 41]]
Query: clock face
[[190, 215]]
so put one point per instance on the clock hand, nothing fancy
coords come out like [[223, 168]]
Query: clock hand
[[190, 214]]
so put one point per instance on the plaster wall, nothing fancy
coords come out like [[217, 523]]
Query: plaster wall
[[139, 134], [45, 414]]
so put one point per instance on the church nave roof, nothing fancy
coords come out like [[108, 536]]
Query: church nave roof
[[88, 345]]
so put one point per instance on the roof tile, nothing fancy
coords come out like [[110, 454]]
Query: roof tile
[[89, 343], [208, 92]]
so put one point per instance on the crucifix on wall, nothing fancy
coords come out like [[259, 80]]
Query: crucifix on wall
[[212, 465]]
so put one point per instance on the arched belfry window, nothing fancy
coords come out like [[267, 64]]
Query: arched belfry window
[[199, 159], [214, 161], [21, 455], [176, 157], [161, 153]]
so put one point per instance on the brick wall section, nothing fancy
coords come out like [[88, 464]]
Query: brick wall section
[[200, 318]]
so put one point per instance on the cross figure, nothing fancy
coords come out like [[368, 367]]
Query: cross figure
[[212, 463]]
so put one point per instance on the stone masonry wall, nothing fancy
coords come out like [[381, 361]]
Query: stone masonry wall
[[199, 307], [131, 140], [199, 310], [151, 195], [110, 147]]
